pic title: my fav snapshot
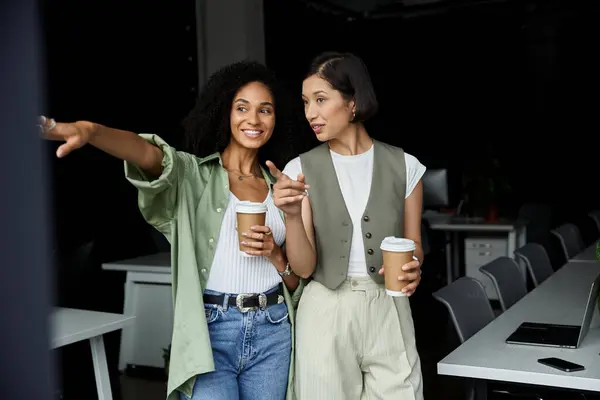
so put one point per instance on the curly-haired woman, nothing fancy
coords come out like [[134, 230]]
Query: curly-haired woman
[[233, 322]]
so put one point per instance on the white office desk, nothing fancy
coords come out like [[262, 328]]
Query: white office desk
[[559, 299], [148, 296], [68, 325], [515, 232], [159, 263], [589, 254]]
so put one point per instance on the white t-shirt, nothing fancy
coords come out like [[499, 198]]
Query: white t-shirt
[[234, 272], [354, 174]]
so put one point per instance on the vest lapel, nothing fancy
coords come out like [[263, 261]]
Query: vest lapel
[[329, 176], [375, 178], [371, 247], [331, 220]]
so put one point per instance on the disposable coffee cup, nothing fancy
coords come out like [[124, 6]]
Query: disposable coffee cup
[[249, 214], [396, 252]]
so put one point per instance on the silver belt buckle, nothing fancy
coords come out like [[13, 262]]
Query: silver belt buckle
[[239, 302]]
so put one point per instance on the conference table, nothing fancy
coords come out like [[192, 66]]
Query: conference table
[[69, 325], [560, 299]]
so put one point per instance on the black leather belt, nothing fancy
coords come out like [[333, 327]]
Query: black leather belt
[[247, 301]]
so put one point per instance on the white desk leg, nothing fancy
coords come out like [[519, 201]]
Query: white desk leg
[[100, 368], [126, 332]]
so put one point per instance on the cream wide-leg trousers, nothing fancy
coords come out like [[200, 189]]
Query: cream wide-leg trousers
[[355, 342]]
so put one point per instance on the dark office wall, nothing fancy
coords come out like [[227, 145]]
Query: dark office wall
[[130, 65]]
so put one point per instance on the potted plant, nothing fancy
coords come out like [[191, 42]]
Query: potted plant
[[485, 187]]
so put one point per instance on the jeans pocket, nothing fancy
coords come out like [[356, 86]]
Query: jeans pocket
[[277, 313], [211, 313]]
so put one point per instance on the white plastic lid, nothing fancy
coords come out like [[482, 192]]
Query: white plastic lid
[[249, 207], [395, 244]]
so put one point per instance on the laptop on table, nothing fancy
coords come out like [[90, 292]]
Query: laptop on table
[[555, 335]]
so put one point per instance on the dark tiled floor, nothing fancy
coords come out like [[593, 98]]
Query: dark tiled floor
[[140, 389]]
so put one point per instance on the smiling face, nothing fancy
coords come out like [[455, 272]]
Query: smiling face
[[327, 111], [252, 116]]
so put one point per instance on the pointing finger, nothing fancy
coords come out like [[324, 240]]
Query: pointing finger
[[277, 174], [52, 130], [46, 124]]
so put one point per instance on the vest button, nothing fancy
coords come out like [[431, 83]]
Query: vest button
[[371, 269], [366, 218], [370, 251], [368, 235], [345, 223]]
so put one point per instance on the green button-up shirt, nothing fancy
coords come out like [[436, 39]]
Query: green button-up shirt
[[183, 203]]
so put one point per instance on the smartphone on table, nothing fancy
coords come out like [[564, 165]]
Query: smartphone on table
[[561, 364]]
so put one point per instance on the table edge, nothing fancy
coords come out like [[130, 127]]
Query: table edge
[[85, 335], [527, 377]]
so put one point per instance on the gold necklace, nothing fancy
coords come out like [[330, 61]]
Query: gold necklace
[[240, 175]]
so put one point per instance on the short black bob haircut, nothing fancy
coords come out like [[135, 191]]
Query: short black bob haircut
[[347, 74], [207, 126]]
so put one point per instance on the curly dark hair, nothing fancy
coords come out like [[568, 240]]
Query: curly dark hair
[[207, 127]]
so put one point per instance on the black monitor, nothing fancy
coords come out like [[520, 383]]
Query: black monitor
[[435, 188]]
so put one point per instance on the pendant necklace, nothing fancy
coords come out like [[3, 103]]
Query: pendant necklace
[[240, 176]]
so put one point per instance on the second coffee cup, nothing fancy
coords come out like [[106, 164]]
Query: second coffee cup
[[249, 214], [396, 252]]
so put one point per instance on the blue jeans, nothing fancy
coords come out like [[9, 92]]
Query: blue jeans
[[251, 352]]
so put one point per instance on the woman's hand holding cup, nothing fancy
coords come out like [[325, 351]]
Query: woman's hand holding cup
[[262, 243], [402, 272]]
